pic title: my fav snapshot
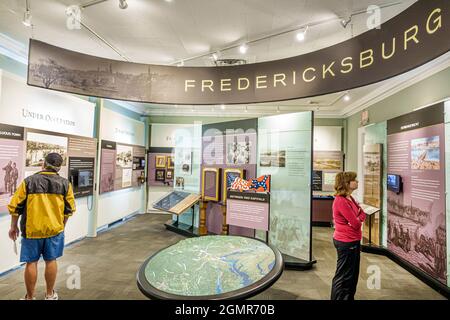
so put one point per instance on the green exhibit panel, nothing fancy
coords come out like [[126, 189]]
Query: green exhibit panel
[[187, 166], [373, 134], [284, 152], [210, 267]]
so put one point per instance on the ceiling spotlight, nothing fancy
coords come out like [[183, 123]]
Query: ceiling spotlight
[[192, 110], [215, 56], [123, 4], [344, 22], [347, 97], [181, 64], [246, 110], [243, 48], [301, 35], [222, 107], [27, 18], [27, 15], [278, 109]]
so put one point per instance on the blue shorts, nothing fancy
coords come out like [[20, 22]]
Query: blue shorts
[[50, 248]]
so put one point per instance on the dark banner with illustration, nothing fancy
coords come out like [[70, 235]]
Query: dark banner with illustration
[[416, 36], [11, 163], [416, 196]]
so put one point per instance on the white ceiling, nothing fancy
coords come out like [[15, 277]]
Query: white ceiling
[[162, 32]]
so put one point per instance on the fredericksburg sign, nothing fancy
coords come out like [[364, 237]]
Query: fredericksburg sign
[[417, 35]]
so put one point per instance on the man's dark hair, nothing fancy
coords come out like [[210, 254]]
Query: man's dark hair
[[53, 161]]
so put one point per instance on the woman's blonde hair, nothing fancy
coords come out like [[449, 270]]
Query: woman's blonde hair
[[342, 183]]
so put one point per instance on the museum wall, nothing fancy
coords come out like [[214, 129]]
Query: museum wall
[[427, 91], [121, 202], [36, 109]]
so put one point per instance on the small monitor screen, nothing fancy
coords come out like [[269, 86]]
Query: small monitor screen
[[394, 182], [85, 178]]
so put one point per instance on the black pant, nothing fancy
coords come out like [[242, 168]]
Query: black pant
[[347, 270]]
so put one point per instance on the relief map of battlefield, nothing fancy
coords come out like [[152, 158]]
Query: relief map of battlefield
[[209, 265]]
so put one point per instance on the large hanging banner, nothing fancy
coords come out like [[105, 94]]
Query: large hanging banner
[[416, 190], [416, 36]]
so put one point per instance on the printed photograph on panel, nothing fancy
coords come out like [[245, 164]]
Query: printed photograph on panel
[[273, 159], [124, 156], [238, 152], [39, 145], [372, 175], [425, 153]]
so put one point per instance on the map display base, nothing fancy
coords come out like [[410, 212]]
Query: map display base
[[292, 263], [210, 268]]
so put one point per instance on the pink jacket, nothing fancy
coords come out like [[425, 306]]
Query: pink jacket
[[348, 218]]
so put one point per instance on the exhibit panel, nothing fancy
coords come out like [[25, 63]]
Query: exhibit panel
[[285, 153], [377, 134], [231, 148], [122, 148], [416, 190], [187, 172], [24, 140], [447, 182], [372, 190]]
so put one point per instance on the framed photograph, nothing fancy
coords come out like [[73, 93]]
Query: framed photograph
[[160, 161], [170, 162], [160, 175], [229, 175], [179, 182], [169, 174], [210, 184]]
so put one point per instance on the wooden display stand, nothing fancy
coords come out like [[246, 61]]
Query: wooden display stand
[[371, 227], [202, 229], [224, 221]]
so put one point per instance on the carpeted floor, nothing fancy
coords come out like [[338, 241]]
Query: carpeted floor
[[109, 262]]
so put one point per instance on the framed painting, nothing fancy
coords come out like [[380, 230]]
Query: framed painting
[[160, 175], [170, 162], [210, 184], [160, 161]]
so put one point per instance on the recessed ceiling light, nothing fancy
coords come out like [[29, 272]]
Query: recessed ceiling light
[[347, 97], [222, 107], [215, 56], [243, 48], [245, 110]]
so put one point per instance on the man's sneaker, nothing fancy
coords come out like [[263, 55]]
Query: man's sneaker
[[54, 296], [26, 298]]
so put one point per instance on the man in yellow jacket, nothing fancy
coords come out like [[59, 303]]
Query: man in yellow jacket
[[44, 201]]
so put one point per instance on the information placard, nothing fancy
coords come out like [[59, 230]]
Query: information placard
[[249, 210]]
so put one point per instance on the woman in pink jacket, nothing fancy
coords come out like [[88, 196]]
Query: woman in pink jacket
[[348, 218]]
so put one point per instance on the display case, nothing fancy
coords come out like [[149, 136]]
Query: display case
[[211, 184]]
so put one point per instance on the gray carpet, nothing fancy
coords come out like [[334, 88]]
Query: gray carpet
[[109, 262]]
